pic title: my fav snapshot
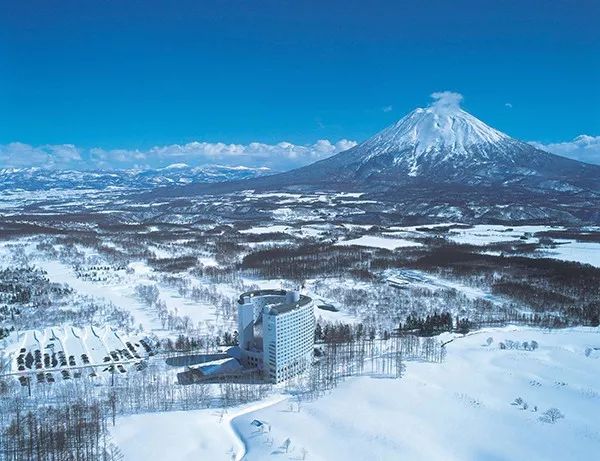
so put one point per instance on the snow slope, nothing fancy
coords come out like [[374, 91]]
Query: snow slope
[[119, 294], [185, 435], [459, 410], [442, 132], [178, 435]]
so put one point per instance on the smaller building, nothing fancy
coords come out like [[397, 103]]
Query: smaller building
[[213, 369], [276, 332]]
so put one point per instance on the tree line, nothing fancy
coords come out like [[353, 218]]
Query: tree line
[[78, 432]]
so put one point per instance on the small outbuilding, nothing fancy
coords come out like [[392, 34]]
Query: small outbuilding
[[211, 369]]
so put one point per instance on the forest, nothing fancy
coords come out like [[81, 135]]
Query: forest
[[183, 280]]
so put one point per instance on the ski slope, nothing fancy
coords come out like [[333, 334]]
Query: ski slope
[[459, 410]]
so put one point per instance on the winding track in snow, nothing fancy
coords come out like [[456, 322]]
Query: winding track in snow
[[237, 434]]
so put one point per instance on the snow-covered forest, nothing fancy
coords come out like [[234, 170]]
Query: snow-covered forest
[[98, 317]]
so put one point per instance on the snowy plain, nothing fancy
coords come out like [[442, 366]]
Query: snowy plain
[[120, 291], [458, 410], [461, 409], [581, 252], [379, 242], [485, 234]]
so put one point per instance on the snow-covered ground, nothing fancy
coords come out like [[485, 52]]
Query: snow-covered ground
[[482, 235], [120, 291], [417, 278], [306, 231], [581, 252], [379, 242], [185, 435], [120, 294], [459, 410], [485, 234], [265, 230], [178, 435]]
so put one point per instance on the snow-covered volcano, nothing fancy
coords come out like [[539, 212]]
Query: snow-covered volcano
[[438, 134], [441, 161], [443, 143]]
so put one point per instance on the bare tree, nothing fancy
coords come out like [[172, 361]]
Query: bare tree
[[551, 415]]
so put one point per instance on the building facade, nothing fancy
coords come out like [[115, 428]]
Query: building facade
[[276, 332]]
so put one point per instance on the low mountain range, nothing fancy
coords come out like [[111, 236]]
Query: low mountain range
[[173, 175]]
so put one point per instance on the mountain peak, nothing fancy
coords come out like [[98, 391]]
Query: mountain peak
[[442, 143], [175, 166], [442, 127]]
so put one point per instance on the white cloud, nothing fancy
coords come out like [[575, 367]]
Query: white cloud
[[387, 108], [508, 105], [19, 155], [446, 100], [281, 156], [584, 148]]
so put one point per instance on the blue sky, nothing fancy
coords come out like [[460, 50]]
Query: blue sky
[[131, 75]]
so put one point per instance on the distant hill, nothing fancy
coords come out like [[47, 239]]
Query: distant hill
[[173, 175]]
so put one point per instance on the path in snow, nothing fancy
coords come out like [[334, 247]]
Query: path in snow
[[186, 435], [234, 427], [458, 410]]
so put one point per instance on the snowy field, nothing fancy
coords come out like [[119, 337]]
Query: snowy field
[[484, 234], [178, 435], [119, 289], [581, 252], [461, 409], [417, 278], [265, 230], [482, 403], [379, 242], [185, 435]]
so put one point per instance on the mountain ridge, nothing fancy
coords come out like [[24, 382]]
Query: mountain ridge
[[36, 178]]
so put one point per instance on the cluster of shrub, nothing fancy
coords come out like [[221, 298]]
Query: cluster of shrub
[[301, 262], [4, 332], [435, 324], [550, 416], [188, 343], [528, 346], [27, 284]]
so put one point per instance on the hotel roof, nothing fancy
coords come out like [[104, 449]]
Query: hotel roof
[[276, 308]]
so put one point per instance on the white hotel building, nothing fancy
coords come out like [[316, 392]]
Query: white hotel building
[[276, 332]]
